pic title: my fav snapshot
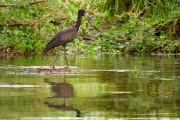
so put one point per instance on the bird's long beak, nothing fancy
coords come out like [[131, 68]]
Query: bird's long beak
[[90, 21]]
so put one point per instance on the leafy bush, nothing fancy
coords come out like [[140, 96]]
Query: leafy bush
[[125, 26]]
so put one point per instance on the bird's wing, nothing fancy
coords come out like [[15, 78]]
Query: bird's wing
[[61, 38], [67, 35]]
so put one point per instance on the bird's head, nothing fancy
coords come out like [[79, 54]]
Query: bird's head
[[82, 12], [85, 14]]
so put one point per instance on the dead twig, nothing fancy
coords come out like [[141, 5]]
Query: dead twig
[[31, 3], [37, 21], [88, 38], [31, 23], [6, 5], [16, 24], [157, 48], [37, 1]]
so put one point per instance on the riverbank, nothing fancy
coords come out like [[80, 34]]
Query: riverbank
[[146, 30]]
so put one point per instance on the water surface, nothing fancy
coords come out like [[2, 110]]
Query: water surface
[[97, 87]]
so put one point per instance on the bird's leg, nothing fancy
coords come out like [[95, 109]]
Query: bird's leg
[[55, 60], [64, 105], [65, 56]]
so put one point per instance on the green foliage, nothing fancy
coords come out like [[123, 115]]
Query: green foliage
[[125, 26], [137, 35]]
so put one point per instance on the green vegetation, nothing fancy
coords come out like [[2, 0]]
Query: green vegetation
[[128, 26]]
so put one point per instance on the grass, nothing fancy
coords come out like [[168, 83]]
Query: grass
[[125, 26]]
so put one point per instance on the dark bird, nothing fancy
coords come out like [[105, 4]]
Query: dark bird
[[63, 37]]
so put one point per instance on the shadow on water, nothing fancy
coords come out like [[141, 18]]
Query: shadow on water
[[62, 90]]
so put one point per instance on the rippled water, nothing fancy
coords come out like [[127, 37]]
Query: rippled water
[[95, 87]]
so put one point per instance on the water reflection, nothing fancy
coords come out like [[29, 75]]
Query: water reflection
[[62, 90], [106, 87], [153, 89]]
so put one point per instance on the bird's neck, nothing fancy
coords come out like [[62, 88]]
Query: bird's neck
[[78, 22]]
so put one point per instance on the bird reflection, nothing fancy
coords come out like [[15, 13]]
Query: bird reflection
[[61, 90], [65, 91]]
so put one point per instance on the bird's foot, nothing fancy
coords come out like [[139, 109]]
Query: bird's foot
[[66, 68]]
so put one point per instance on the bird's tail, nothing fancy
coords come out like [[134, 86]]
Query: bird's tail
[[46, 49], [49, 46]]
